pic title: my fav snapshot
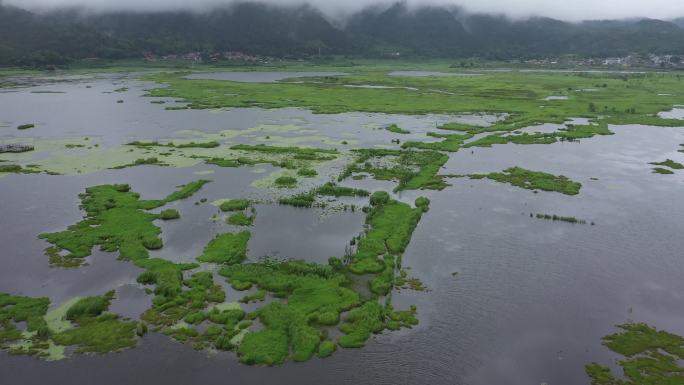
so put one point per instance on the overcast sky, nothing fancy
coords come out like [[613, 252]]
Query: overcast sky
[[561, 9]]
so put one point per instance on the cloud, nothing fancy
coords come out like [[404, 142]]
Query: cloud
[[560, 9]]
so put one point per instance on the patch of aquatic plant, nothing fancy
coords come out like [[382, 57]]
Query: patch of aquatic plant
[[412, 169], [451, 143], [651, 357], [116, 220], [234, 205], [286, 181], [183, 302], [96, 331], [669, 163], [373, 318], [256, 297], [16, 169], [210, 144], [316, 295], [663, 171], [90, 306], [240, 219], [555, 217], [396, 129], [331, 189], [88, 327], [297, 152], [169, 214], [307, 172], [390, 226], [25, 126], [299, 200], [534, 180], [403, 281], [459, 127], [571, 133], [226, 248], [140, 162]]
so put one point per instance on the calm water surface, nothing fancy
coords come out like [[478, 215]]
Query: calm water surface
[[529, 304]]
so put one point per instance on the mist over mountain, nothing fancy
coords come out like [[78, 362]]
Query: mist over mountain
[[65, 34]]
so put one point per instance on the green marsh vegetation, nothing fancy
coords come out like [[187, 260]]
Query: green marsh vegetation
[[240, 219], [16, 169], [533, 180], [305, 200], [211, 144], [413, 170], [234, 205], [226, 248], [650, 357], [169, 214], [570, 134], [397, 130], [555, 217], [286, 182], [140, 162], [331, 189], [85, 324], [116, 220], [663, 171], [671, 164], [627, 97]]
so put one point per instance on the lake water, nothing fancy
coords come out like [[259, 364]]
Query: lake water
[[529, 304]]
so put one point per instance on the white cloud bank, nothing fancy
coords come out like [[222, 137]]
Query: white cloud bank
[[560, 9]]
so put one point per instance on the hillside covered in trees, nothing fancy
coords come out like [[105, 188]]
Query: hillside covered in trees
[[58, 37]]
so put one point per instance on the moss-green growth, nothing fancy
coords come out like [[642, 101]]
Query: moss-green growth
[[450, 143], [226, 248], [326, 348], [412, 169], [116, 220], [396, 129], [169, 214], [298, 152], [663, 171], [307, 172], [103, 334], [256, 297], [669, 163], [240, 219], [555, 217], [652, 357], [89, 306], [16, 169], [140, 162], [20, 309], [331, 189], [536, 180], [234, 205], [286, 181], [299, 200], [571, 133], [211, 144], [391, 224]]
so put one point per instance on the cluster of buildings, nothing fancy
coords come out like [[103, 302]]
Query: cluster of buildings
[[198, 57], [650, 60]]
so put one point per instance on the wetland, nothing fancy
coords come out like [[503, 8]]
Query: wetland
[[364, 225]]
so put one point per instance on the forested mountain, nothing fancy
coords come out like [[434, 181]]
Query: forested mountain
[[59, 36]]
